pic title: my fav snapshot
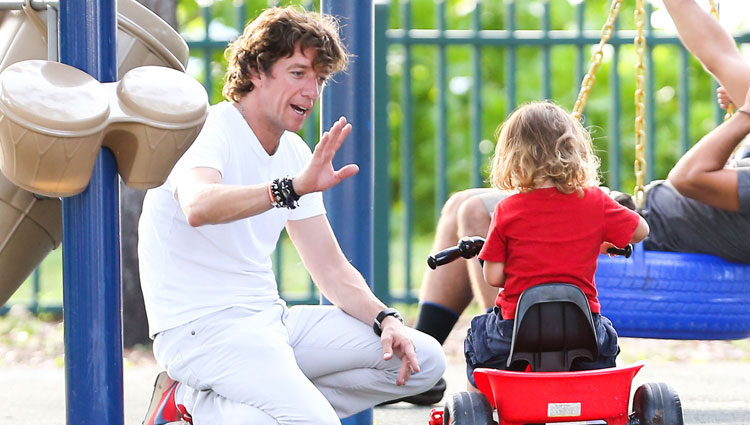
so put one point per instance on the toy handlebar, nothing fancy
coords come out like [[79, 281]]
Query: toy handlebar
[[626, 252], [467, 247]]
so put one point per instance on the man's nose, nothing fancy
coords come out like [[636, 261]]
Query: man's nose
[[312, 88]]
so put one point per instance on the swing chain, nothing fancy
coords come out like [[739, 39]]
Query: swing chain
[[596, 59], [639, 166]]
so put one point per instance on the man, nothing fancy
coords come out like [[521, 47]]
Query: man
[[232, 351], [703, 206]]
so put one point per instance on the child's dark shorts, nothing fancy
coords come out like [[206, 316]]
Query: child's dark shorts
[[488, 341]]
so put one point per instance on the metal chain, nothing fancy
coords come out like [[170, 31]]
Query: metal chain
[[596, 60], [639, 166]]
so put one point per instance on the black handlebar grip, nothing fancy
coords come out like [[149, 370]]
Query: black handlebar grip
[[467, 247], [626, 252], [470, 246], [443, 257]]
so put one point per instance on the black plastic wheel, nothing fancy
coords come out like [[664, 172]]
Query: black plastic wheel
[[657, 404], [468, 408]]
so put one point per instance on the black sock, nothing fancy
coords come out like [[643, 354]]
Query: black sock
[[436, 320]]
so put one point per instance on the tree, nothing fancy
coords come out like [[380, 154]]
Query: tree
[[135, 324]]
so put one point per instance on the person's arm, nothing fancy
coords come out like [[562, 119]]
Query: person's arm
[[345, 287], [205, 200], [712, 45], [641, 230], [494, 273], [700, 173]]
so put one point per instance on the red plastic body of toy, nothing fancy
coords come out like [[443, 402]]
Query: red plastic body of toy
[[436, 417], [523, 397]]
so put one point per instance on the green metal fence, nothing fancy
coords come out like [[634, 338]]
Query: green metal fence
[[466, 91]]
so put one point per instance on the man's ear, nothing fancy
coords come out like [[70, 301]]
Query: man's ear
[[256, 77]]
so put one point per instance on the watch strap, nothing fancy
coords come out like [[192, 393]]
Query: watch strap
[[376, 326]]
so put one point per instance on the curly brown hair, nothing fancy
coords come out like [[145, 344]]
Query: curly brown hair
[[540, 142], [277, 33]]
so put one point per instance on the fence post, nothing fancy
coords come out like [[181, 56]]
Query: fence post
[[350, 203]]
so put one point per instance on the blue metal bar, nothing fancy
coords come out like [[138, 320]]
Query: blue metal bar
[[91, 256], [510, 62], [546, 64], [613, 159], [207, 78], [684, 99], [578, 38], [580, 70], [382, 195], [476, 100], [350, 203], [407, 156], [36, 289], [441, 144]]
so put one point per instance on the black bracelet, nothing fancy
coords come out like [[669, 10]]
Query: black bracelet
[[376, 326], [283, 193]]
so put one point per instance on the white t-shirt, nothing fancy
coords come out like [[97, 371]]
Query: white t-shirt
[[187, 272]]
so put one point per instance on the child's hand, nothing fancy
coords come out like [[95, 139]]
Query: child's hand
[[723, 98], [605, 246]]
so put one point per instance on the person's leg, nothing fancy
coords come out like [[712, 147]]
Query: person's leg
[[344, 359], [474, 217], [446, 292], [236, 366]]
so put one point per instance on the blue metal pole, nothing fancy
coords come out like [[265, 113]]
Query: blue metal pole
[[91, 245], [350, 203]]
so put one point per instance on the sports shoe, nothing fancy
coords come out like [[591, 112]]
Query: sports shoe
[[163, 409], [427, 398]]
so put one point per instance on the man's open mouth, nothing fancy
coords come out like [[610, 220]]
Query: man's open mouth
[[299, 110]]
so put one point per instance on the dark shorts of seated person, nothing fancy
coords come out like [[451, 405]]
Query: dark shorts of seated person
[[488, 343]]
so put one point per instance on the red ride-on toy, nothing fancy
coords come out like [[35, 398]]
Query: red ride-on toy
[[553, 327]]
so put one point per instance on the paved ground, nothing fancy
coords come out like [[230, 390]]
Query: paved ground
[[711, 393]]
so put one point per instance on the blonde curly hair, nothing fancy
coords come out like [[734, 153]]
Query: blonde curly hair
[[277, 33], [542, 143]]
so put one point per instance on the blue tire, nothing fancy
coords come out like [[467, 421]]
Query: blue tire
[[675, 295]]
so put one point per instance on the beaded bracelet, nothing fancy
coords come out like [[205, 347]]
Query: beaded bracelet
[[282, 194]]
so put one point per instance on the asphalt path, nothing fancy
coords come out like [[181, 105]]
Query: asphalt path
[[711, 393]]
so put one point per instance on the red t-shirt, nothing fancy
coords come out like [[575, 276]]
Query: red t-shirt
[[546, 236]]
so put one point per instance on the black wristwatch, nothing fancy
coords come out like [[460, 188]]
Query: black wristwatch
[[382, 315]]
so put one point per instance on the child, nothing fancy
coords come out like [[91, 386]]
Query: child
[[551, 229]]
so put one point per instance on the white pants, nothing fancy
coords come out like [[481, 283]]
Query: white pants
[[303, 365]]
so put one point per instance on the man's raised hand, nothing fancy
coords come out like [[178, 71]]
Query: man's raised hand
[[319, 174]]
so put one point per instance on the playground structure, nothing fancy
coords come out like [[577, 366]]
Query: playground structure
[[32, 225]]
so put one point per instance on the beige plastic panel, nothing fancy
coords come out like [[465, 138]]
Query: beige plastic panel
[[54, 118], [156, 114], [142, 39], [29, 229]]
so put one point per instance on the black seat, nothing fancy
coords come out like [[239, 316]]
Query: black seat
[[552, 328]]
